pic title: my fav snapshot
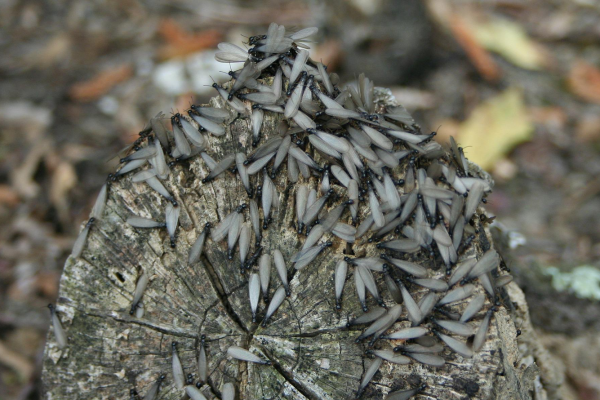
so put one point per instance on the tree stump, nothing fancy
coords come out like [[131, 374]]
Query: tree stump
[[313, 354]]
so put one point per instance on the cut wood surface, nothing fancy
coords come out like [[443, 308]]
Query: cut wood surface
[[313, 354]]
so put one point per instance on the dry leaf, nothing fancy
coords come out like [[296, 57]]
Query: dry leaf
[[8, 196], [330, 53], [22, 177], [588, 129], [458, 21], [465, 36], [584, 81], [15, 361], [57, 49], [47, 283], [495, 127], [509, 40], [100, 84], [181, 43], [64, 179]]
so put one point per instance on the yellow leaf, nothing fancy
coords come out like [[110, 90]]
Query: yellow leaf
[[495, 127], [510, 41]]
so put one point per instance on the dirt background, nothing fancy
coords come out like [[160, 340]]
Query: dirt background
[[78, 80]]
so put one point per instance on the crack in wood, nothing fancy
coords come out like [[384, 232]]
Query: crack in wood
[[145, 325], [218, 287], [289, 376], [308, 334]]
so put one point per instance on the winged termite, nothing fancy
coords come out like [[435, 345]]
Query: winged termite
[[414, 312], [234, 103], [228, 391], [368, 375], [230, 53], [458, 294], [254, 292], [140, 222], [130, 166], [361, 290], [140, 287], [100, 204], [407, 333], [59, 332], [194, 393], [456, 327], [207, 124], [305, 257], [383, 322], [245, 355], [392, 357], [152, 393], [405, 394], [279, 262], [172, 219], [295, 97], [198, 246], [221, 167], [233, 233], [178, 375], [429, 359], [82, 238], [458, 346], [370, 316], [480, 336], [276, 301], [488, 262], [264, 272]]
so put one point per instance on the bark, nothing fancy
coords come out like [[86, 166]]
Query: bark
[[313, 353]]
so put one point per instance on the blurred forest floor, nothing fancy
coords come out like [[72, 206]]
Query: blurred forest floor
[[518, 83]]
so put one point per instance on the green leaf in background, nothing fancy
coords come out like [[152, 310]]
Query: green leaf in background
[[495, 127]]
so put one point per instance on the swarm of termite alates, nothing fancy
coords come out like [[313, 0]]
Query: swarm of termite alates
[[363, 172]]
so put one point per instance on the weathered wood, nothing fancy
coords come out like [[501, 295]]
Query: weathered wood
[[313, 353]]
